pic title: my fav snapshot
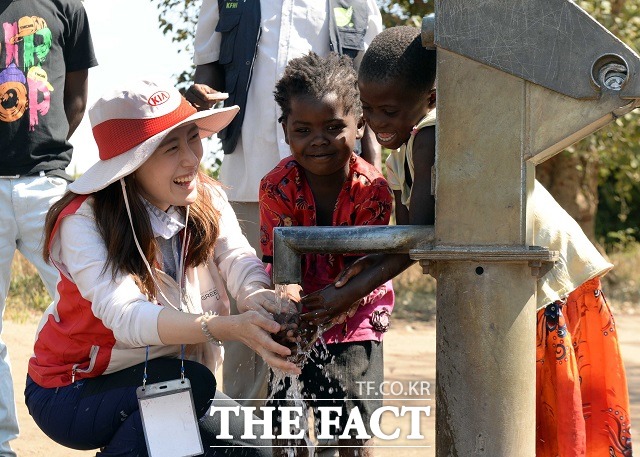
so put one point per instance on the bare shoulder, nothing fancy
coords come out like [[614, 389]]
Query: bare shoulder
[[424, 146]]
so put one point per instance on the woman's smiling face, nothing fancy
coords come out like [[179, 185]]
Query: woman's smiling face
[[169, 176]]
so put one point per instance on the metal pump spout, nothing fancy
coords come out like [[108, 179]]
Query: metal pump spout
[[290, 242], [576, 75]]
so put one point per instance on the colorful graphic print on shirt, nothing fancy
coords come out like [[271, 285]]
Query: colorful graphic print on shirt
[[23, 82]]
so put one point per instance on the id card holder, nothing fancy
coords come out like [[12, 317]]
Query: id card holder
[[169, 419]]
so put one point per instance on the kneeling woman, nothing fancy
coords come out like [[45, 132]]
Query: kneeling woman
[[145, 244]]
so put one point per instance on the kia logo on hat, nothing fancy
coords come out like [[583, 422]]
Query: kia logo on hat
[[158, 98], [129, 125]]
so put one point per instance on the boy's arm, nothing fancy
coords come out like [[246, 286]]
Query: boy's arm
[[339, 300], [371, 150], [401, 211], [422, 207], [75, 98]]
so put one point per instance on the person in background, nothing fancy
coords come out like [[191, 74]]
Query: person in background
[[242, 48], [324, 183], [582, 401], [145, 244], [45, 53]]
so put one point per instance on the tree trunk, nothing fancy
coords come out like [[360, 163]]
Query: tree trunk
[[572, 179]]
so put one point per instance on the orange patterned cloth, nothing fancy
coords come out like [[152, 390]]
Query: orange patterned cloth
[[582, 404]]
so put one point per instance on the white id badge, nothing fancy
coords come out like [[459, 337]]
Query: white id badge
[[169, 419]]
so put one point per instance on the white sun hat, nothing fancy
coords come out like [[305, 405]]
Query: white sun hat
[[129, 125]]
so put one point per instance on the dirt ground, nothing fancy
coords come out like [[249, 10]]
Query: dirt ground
[[409, 369]]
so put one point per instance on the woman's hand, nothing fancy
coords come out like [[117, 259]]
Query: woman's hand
[[254, 330], [258, 297]]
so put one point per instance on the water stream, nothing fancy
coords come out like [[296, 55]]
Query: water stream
[[281, 379], [293, 386]]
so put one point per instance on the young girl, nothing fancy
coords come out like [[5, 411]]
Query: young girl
[[145, 244], [582, 397], [324, 183]]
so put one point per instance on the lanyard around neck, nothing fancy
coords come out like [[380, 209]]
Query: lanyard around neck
[[155, 282]]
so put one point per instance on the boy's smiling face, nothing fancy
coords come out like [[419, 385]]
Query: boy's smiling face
[[391, 110], [320, 134]]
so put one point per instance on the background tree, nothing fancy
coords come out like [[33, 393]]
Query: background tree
[[178, 19], [597, 180]]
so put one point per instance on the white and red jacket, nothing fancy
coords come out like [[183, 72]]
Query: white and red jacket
[[98, 324]]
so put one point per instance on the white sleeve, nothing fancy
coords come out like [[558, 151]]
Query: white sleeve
[[207, 40], [393, 177], [374, 27], [579, 260], [234, 256], [118, 303]]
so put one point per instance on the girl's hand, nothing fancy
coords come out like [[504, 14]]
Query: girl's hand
[[254, 330], [330, 306], [289, 335], [339, 301]]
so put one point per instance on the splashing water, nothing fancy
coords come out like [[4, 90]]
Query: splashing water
[[293, 394], [280, 379], [286, 314], [293, 397]]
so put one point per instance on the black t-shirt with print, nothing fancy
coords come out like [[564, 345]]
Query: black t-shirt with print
[[40, 41]]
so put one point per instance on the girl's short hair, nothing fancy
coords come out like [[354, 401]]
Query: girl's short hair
[[316, 76]]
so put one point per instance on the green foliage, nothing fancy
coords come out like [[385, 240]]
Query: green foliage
[[177, 19], [212, 160], [404, 12], [618, 147]]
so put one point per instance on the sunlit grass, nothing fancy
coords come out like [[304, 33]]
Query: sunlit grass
[[415, 295], [622, 284], [28, 297]]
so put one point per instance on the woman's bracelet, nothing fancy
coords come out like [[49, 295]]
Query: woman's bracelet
[[205, 328]]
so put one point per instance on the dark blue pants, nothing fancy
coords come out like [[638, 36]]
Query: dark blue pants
[[103, 412]]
